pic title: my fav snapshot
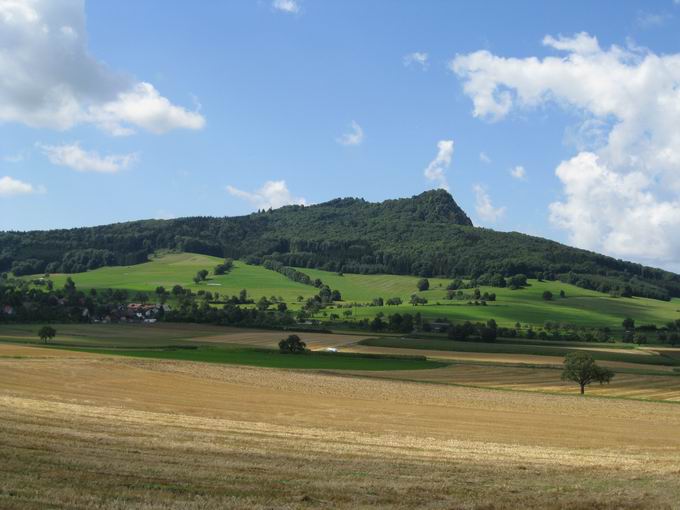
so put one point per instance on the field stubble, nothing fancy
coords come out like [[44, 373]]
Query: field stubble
[[90, 431]]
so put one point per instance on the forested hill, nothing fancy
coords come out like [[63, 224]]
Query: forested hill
[[425, 235]]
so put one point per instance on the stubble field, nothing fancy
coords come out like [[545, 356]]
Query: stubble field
[[83, 430]]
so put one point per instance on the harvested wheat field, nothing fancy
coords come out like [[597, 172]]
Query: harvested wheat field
[[625, 385], [109, 432], [487, 357]]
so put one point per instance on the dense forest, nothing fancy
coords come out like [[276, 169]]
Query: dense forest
[[426, 235]]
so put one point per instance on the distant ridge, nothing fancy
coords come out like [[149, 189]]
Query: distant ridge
[[426, 235]]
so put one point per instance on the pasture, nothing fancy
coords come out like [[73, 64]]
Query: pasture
[[172, 269], [97, 431], [580, 307]]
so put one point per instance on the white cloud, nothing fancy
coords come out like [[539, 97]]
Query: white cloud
[[354, 137], [11, 187], [518, 173], [416, 58], [73, 156], [485, 209], [652, 19], [622, 189], [436, 170], [484, 158], [48, 79], [273, 194], [290, 6]]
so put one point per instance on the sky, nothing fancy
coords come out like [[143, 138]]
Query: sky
[[557, 119]]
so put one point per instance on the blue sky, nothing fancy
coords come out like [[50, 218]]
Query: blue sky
[[245, 93]]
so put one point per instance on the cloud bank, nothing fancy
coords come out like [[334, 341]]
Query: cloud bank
[[622, 189], [48, 79]]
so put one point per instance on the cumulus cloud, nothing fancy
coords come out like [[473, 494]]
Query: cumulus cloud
[[290, 6], [436, 170], [484, 207], [518, 173], [73, 156], [417, 58], [622, 189], [273, 194], [484, 158], [11, 187], [354, 137], [48, 79]]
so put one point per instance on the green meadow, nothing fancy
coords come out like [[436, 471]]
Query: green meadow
[[273, 359], [580, 307]]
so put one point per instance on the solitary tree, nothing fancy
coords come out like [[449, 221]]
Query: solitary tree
[[580, 367], [47, 333], [292, 345], [423, 284], [547, 295]]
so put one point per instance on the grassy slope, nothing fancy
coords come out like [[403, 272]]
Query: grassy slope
[[580, 307], [180, 268]]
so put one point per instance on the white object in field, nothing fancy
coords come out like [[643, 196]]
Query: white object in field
[[215, 284]]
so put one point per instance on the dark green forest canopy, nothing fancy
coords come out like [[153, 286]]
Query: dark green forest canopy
[[426, 235]]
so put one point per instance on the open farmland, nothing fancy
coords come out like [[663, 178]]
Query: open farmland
[[580, 307], [165, 334], [626, 384], [199, 435]]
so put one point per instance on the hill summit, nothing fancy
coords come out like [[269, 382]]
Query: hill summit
[[433, 206]]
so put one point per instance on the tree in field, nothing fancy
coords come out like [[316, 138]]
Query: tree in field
[[292, 345], [628, 324], [417, 300], [47, 333], [70, 286], [224, 268], [580, 367], [518, 281], [263, 303], [547, 295], [423, 284], [562, 294], [201, 275]]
